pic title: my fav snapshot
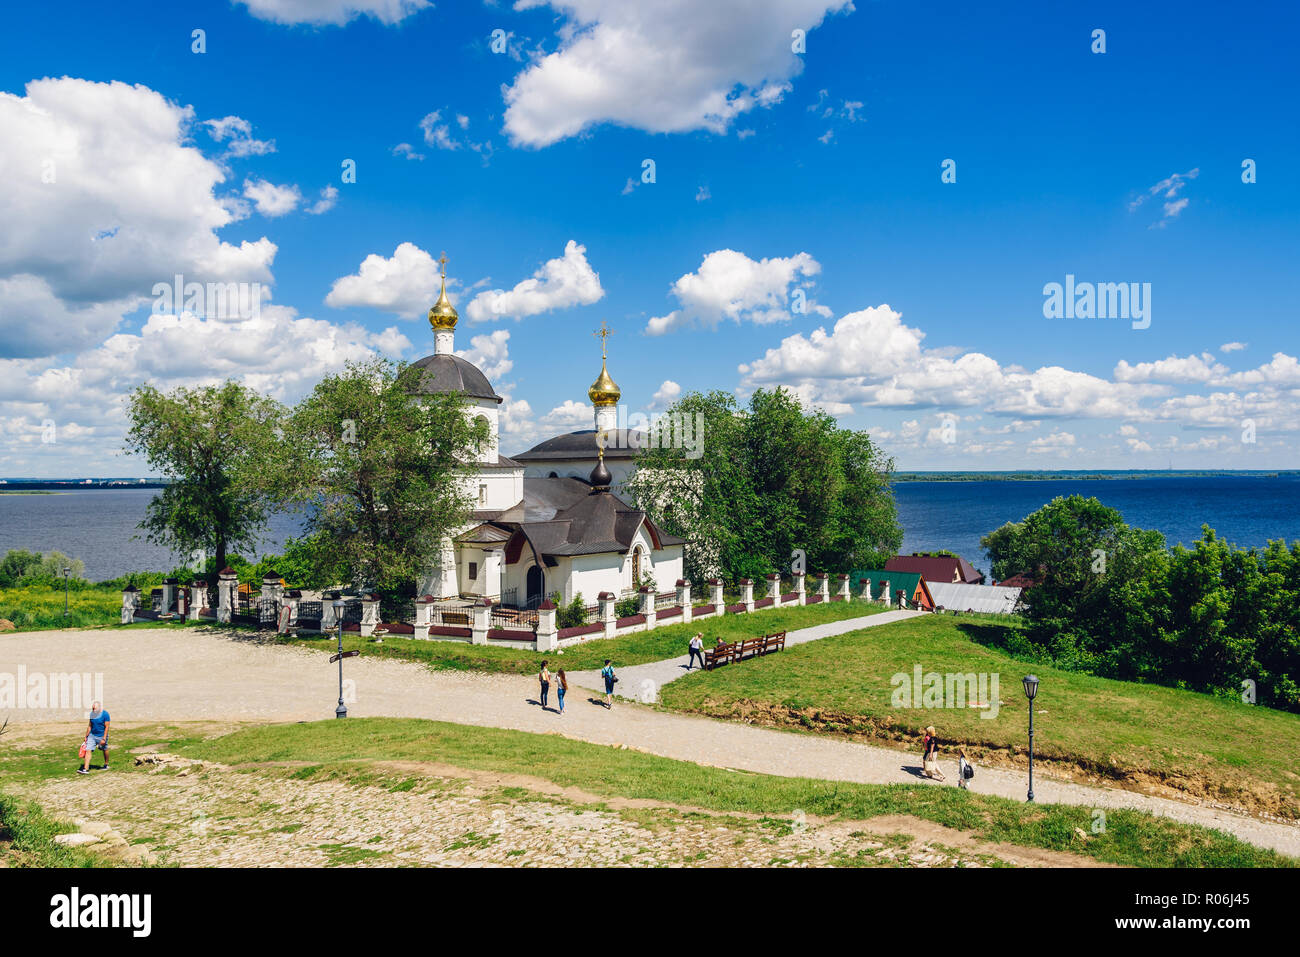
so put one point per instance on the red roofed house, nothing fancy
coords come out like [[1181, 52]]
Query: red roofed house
[[936, 568]]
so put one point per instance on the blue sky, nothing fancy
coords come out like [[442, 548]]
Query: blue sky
[[775, 171]]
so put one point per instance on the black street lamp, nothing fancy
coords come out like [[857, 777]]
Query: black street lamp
[[341, 711], [1031, 690], [66, 572]]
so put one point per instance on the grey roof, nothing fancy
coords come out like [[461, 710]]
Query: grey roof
[[501, 463], [619, 444], [448, 373], [956, 596], [565, 516]]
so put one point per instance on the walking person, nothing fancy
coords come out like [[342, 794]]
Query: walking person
[[561, 686], [607, 673], [965, 771], [544, 677], [96, 737], [697, 651], [930, 762]]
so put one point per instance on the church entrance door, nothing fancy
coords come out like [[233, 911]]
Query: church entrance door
[[534, 587]]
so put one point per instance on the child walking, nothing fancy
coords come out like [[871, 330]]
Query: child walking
[[561, 686]]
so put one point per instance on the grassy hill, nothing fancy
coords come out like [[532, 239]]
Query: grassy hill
[[1146, 737]]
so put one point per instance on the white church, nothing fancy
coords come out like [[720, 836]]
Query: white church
[[548, 520]]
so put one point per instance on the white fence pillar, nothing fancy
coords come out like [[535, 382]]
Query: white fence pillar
[[130, 602], [844, 588], [719, 602], [606, 601], [801, 596], [774, 589], [648, 608], [824, 586], [684, 598], [227, 590], [481, 618], [198, 599], [423, 617], [747, 594], [547, 637]]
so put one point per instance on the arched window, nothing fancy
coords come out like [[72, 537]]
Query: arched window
[[636, 568]]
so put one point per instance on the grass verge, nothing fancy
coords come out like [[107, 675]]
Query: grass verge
[[1131, 838], [1144, 736]]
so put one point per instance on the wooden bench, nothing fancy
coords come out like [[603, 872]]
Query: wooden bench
[[740, 650]]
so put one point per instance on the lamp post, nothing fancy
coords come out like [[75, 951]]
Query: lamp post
[[66, 572], [1031, 690], [341, 711]]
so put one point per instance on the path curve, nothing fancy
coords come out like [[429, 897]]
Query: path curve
[[173, 675]]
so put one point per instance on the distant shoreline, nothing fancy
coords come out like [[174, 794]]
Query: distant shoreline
[[1084, 476]]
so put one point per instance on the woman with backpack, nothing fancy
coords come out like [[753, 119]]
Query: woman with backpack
[[607, 673], [544, 677], [561, 686], [965, 771]]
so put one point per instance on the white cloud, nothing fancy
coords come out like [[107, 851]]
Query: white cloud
[[1060, 442], [35, 322], [329, 196], [408, 151], [664, 66], [1232, 347], [272, 200], [490, 352], [557, 284], [666, 395], [277, 353], [239, 133], [1202, 368], [117, 203], [568, 416], [437, 133], [730, 285], [405, 284], [1168, 189], [333, 12]]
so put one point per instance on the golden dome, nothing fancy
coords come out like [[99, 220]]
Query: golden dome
[[443, 315], [604, 391]]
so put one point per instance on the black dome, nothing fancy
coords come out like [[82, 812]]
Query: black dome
[[619, 444], [448, 373]]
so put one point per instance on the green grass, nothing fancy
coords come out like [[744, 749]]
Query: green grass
[[40, 608], [27, 839], [1115, 729], [644, 646], [1131, 838]]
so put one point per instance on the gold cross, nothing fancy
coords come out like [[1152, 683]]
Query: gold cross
[[603, 333], [443, 260]]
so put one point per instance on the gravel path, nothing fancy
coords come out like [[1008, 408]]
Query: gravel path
[[642, 682], [169, 675]]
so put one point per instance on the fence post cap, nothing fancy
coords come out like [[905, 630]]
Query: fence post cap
[[546, 605], [682, 583]]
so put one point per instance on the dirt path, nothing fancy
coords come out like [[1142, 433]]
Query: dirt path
[[191, 676]]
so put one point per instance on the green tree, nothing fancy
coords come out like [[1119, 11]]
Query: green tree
[[383, 470], [216, 445], [771, 478]]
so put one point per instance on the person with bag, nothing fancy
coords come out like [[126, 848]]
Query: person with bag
[[697, 651], [561, 686], [607, 673], [930, 761], [965, 771], [96, 738], [544, 677]]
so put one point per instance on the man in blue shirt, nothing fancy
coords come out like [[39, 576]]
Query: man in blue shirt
[[96, 737]]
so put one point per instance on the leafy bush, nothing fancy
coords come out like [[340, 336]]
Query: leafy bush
[[572, 615]]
